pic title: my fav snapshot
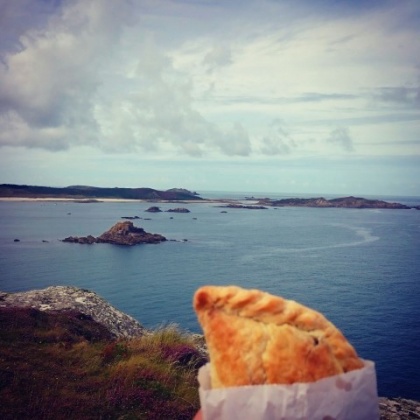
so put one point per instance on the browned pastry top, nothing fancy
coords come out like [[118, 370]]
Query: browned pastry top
[[257, 338]]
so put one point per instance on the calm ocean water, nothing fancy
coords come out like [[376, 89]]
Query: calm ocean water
[[361, 268]]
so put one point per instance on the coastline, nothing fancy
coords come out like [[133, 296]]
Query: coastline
[[102, 200], [60, 199], [114, 200], [244, 203]]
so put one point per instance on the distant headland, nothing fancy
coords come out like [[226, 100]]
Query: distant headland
[[317, 202], [81, 192], [89, 194]]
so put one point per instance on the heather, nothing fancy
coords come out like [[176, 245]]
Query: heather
[[66, 365]]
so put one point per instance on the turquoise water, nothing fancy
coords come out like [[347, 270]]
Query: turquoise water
[[361, 268]]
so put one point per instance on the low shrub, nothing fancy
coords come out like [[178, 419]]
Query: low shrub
[[114, 351], [63, 365]]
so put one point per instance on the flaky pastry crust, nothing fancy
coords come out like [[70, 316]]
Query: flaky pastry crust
[[256, 338]]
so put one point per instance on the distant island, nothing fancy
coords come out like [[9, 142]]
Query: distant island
[[80, 192], [343, 202]]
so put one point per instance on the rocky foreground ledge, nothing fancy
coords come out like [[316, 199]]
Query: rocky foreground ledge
[[65, 298], [121, 325]]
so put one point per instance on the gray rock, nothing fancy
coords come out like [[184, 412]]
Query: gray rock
[[399, 408], [64, 298]]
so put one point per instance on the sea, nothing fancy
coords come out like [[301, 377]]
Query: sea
[[359, 267]]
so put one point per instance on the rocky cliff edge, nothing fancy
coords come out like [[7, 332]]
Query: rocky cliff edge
[[64, 298]]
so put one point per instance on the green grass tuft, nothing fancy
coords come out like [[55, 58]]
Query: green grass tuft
[[65, 365]]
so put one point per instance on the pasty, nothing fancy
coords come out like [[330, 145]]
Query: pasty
[[257, 338]]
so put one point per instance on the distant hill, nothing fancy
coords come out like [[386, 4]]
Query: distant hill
[[83, 191]]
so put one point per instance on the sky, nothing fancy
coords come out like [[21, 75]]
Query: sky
[[286, 96]]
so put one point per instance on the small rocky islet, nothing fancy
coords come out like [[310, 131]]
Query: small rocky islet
[[122, 233], [156, 209]]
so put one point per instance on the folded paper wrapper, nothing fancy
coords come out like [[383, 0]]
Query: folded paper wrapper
[[351, 395]]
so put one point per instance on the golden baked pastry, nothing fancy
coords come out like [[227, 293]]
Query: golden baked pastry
[[256, 338]]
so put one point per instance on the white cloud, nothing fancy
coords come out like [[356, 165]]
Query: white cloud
[[47, 88], [278, 141], [155, 112], [156, 78], [218, 56], [340, 137]]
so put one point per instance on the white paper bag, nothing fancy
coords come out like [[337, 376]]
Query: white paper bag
[[350, 396]]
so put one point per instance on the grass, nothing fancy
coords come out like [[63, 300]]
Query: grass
[[66, 366]]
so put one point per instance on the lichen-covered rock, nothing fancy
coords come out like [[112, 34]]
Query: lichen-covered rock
[[65, 298], [399, 408]]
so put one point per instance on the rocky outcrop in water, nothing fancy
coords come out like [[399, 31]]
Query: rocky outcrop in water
[[154, 209], [242, 206], [125, 233], [178, 210], [122, 233], [85, 240], [68, 298]]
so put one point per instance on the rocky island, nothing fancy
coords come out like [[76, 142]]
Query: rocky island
[[343, 202], [122, 233]]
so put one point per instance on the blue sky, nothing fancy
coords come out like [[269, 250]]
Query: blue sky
[[286, 96]]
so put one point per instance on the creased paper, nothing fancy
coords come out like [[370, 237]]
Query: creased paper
[[351, 396]]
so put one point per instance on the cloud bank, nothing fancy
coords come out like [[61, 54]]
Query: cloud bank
[[158, 79]]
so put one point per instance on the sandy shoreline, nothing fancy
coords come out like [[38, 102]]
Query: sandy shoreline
[[108, 200], [77, 200]]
